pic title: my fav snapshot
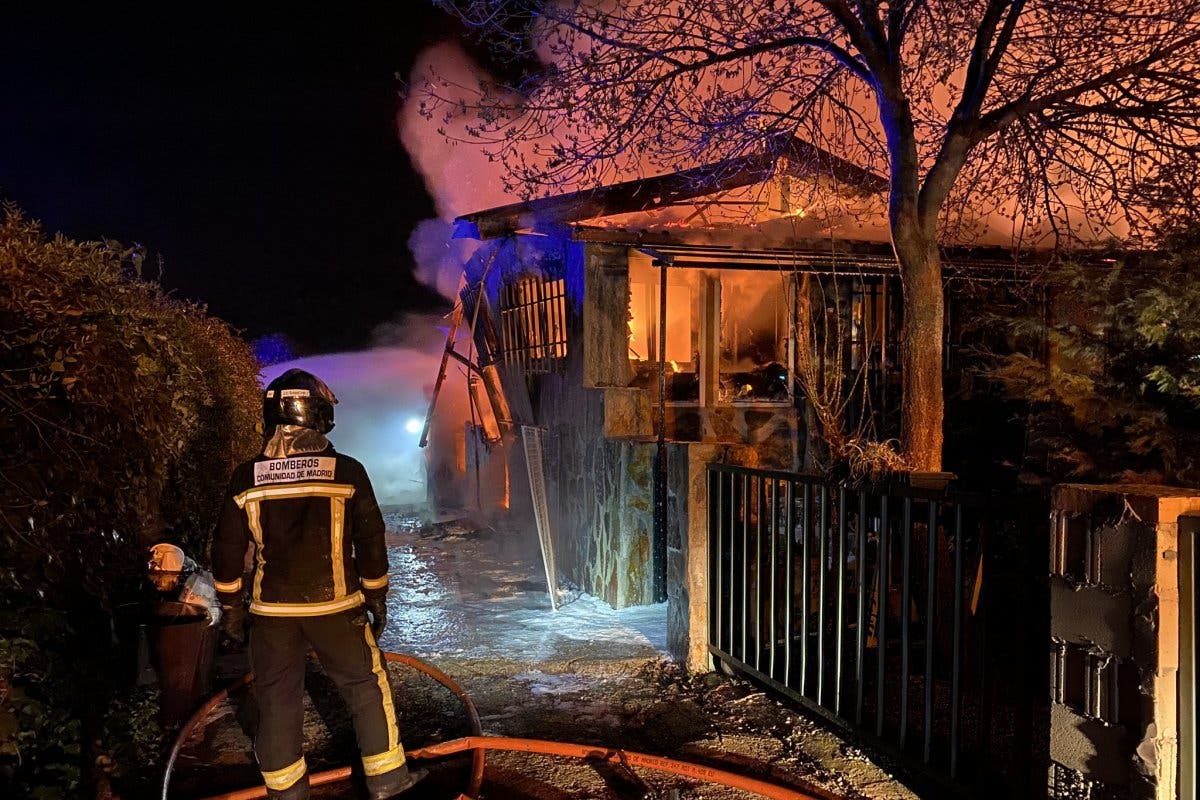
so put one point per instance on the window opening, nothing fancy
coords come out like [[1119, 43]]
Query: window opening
[[683, 330], [533, 324], [754, 331]]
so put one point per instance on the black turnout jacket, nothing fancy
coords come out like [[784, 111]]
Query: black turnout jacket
[[317, 533]]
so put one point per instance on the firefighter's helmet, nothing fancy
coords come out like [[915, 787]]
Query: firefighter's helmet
[[299, 398], [166, 566]]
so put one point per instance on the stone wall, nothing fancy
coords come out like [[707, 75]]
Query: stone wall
[[601, 492], [1114, 592], [600, 488]]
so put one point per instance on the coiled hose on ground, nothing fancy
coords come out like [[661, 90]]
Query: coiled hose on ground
[[477, 743]]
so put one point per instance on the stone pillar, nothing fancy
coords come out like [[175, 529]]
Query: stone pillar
[[687, 555], [1114, 597]]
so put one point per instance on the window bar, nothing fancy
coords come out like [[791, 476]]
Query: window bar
[[822, 554], [774, 561], [527, 321], [789, 576], [761, 496], [805, 585], [861, 621], [530, 355], [505, 333], [518, 322], [541, 320], [745, 570], [514, 325], [507, 309], [881, 615], [563, 339], [931, 545], [542, 314], [883, 343], [733, 506], [535, 316], [956, 667], [552, 298], [839, 645], [905, 598], [716, 509]]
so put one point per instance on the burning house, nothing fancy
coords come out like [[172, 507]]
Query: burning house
[[621, 339]]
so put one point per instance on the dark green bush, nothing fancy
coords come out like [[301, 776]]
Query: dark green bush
[[122, 412], [1118, 396]]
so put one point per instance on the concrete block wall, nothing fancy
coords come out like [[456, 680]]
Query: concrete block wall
[[1115, 640]]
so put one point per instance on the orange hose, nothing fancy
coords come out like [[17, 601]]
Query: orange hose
[[584, 751], [477, 757], [591, 752]]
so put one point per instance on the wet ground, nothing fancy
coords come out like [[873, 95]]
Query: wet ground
[[474, 603]]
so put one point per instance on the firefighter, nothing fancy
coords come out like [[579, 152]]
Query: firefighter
[[320, 569]]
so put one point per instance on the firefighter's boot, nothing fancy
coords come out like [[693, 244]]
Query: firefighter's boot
[[297, 791], [393, 783]]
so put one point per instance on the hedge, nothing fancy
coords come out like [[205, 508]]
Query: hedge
[[122, 412]]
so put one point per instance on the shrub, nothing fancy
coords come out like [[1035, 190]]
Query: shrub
[[122, 412], [1118, 397]]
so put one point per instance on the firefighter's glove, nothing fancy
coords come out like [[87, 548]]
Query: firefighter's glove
[[377, 608], [233, 622]]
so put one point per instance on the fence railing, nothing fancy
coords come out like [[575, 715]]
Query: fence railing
[[912, 617]]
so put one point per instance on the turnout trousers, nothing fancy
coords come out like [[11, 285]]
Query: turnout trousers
[[351, 659]]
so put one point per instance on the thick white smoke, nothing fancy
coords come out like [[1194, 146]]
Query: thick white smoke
[[383, 395], [458, 174]]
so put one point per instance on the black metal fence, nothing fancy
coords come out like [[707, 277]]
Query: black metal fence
[[914, 618]]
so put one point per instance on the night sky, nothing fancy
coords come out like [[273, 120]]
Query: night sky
[[253, 148]]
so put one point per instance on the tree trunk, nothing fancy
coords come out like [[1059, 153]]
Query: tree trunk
[[922, 406]]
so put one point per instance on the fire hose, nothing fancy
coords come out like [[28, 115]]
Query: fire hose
[[477, 743]]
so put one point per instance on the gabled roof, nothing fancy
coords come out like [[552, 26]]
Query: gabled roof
[[799, 158]]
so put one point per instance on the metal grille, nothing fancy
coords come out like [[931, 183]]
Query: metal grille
[[868, 606], [533, 324]]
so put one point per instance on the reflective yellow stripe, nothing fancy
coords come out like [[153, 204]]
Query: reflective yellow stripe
[[337, 517], [384, 762], [306, 609], [260, 557], [288, 490], [281, 779], [389, 709], [232, 586], [374, 583]]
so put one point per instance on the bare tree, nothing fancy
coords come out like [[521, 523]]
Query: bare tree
[[1057, 115]]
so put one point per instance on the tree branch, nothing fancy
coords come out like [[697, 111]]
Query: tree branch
[[998, 118], [842, 56]]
